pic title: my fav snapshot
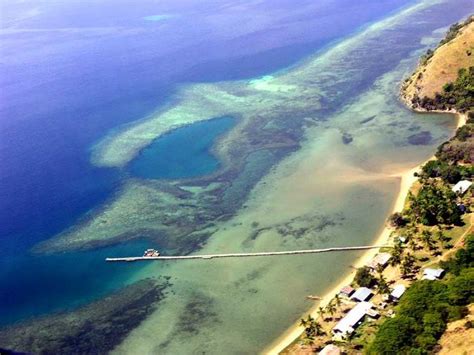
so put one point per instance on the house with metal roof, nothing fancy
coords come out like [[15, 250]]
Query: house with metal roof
[[397, 292], [361, 294], [432, 274], [346, 291], [352, 320], [379, 259], [462, 186]]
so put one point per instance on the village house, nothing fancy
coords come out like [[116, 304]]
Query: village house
[[379, 259], [362, 294], [353, 319], [432, 274], [346, 291], [462, 186], [397, 292]]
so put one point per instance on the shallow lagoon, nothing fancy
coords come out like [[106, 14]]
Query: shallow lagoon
[[182, 153]]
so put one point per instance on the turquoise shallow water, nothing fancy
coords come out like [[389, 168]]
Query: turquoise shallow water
[[182, 153]]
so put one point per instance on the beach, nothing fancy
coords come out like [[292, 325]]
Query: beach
[[407, 179]]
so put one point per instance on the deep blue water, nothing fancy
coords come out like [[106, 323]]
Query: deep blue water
[[183, 153], [69, 73], [62, 281]]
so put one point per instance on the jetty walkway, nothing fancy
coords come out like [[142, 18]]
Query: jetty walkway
[[244, 255]]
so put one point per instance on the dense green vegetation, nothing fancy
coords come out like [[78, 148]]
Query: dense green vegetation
[[434, 204], [426, 307], [449, 173], [460, 148], [364, 277], [464, 259], [458, 95]]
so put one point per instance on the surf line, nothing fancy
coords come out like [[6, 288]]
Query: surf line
[[244, 255]]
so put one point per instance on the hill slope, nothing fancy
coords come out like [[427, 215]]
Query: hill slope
[[440, 67]]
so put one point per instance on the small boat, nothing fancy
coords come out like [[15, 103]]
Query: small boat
[[151, 253], [314, 298]]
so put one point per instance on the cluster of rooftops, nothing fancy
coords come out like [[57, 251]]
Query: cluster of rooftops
[[347, 325], [362, 296]]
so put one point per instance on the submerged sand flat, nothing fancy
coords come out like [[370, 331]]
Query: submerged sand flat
[[311, 163]]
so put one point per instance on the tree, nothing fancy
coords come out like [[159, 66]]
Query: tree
[[442, 238], [308, 325], [394, 336], [407, 265], [379, 268], [412, 244], [396, 254], [321, 312], [397, 220], [382, 285], [427, 239], [311, 329], [464, 258], [318, 329], [337, 299], [305, 322], [364, 277], [331, 308], [461, 289], [435, 204]]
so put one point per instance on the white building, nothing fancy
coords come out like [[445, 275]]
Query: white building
[[462, 186], [349, 323], [362, 294], [432, 274], [397, 292]]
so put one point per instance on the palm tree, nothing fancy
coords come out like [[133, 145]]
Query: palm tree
[[412, 244], [307, 322], [308, 340], [427, 239], [407, 264], [321, 312], [318, 329], [303, 323], [331, 308], [383, 285], [443, 238], [309, 327], [396, 254], [312, 329]]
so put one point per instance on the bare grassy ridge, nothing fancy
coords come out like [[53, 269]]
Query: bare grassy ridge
[[458, 338], [442, 66]]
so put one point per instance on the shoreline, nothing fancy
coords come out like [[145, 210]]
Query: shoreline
[[407, 179]]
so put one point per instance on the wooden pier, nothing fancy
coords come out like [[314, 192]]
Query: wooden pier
[[243, 255]]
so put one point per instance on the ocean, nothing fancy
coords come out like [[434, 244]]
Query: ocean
[[71, 75]]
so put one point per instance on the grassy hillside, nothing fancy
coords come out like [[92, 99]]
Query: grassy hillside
[[445, 75]]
